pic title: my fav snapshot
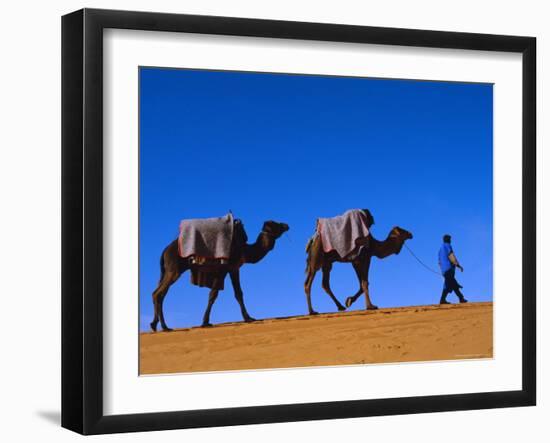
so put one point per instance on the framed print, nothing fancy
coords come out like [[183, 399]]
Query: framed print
[[269, 221]]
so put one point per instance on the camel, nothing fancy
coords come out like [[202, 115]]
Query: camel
[[317, 259], [173, 266]]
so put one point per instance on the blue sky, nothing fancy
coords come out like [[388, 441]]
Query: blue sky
[[293, 148]]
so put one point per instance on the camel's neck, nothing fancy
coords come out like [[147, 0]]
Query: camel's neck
[[382, 249], [254, 252]]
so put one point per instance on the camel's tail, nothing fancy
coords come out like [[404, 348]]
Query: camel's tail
[[308, 248], [161, 266]]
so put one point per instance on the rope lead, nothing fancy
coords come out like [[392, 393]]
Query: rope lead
[[421, 262]]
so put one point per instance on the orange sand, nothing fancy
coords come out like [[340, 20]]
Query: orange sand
[[414, 333]]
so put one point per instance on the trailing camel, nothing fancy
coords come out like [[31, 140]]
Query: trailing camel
[[173, 266]]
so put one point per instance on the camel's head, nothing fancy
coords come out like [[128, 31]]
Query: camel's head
[[275, 229], [401, 235]]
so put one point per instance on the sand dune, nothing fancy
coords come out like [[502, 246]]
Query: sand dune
[[414, 333]]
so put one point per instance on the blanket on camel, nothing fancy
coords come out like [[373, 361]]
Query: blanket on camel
[[345, 233], [206, 238], [207, 243]]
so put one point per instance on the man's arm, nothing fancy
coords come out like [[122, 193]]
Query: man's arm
[[454, 261]]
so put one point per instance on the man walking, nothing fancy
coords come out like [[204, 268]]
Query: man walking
[[447, 263]]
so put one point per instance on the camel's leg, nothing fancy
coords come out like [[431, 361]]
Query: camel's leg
[[314, 262], [158, 298], [363, 268], [307, 286], [351, 300], [236, 282], [161, 313], [326, 286], [211, 299], [365, 285]]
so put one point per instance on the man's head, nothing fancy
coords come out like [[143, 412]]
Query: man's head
[[446, 238]]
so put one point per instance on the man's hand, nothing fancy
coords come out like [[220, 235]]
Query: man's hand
[[460, 267]]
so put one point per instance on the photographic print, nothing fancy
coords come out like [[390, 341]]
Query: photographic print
[[294, 220], [280, 212]]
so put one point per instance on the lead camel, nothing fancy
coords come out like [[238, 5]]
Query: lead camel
[[317, 260]]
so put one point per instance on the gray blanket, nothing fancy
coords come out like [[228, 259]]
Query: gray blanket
[[206, 238], [345, 233]]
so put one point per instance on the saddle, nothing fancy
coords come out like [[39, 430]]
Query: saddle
[[212, 246], [344, 234]]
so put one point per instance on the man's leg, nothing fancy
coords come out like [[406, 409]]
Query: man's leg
[[453, 285], [446, 291], [459, 294]]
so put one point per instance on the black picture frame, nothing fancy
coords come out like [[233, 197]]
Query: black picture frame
[[82, 215]]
